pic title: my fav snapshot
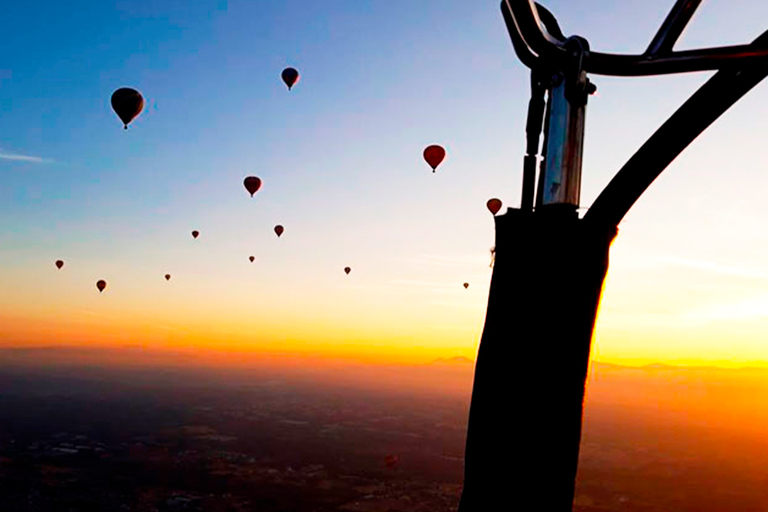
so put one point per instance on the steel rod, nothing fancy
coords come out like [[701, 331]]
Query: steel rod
[[712, 99]]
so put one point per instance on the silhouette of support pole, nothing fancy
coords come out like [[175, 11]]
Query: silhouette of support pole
[[525, 418], [522, 452]]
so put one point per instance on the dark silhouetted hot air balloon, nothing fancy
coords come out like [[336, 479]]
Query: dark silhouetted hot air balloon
[[390, 461], [59, 264], [290, 77], [127, 104], [279, 230], [251, 258], [347, 270], [167, 277], [494, 205], [434, 154], [195, 234], [466, 285], [101, 284], [252, 184]]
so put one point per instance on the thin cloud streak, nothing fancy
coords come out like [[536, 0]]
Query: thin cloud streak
[[24, 158], [716, 267]]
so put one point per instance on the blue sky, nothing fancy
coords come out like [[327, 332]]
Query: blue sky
[[340, 157]]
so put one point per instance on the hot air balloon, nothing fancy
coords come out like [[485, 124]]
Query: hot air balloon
[[390, 461], [252, 184], [167, 277], [279, 230], [290, 77], [251, 258], [101, 284], [466, 285], [59, 264], [494, 205], [195, 234], [434, 154], [347, 270], [127, 104]]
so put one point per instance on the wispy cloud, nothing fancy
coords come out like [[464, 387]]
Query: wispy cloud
[[24, 158], [755, 307], [716, 267]]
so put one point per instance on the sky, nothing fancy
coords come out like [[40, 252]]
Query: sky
[[341, 165]]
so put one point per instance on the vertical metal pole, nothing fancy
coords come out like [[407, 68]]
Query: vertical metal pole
[[565, 144], [532, 135]]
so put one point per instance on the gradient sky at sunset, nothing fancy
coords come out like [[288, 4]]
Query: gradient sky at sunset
[[340, 158]]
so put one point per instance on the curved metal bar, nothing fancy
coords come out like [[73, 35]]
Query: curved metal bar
[[550, 23], [707, 59], [528, 23], [713, 98], [552, 52], [526, 56], [673, 27]]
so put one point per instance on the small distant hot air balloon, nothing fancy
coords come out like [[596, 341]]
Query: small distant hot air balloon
[[390, 461], [252, 184], [279, 230], [59, 264], [290, 77], [466, 285], [434, 154], [127, 104], [251, 258], [195, 234], [101, 284], [167, 277], [347, 270], [494, 205]]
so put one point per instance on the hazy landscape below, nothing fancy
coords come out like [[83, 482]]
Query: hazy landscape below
[[137, 430]]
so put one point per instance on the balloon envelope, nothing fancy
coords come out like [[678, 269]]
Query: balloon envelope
[[251, 258], [59, 263], [127, 104], [195, 234], [347, 270], [434, 154], [390, 461], [252, 184], [466, 285], [167, 277], [494, 205], [101, 284], [279, 229], [290, 77]]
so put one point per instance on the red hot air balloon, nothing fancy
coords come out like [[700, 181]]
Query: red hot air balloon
[[390, 461], [347, 270], [251, 258], [167, 277], [494, 205], [290, 77], [279, 230], [127, 104], [252, 184], [466, 285], [59, 264], [434, 154], [101, 284], [195, 234]]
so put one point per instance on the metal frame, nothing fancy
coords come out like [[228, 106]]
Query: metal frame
[[524, 23], [541, 46], [550, 264]]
